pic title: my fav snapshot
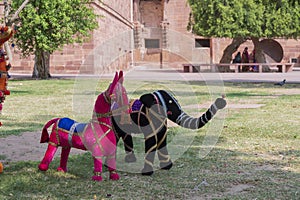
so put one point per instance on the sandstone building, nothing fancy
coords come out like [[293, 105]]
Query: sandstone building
[[138, 31]]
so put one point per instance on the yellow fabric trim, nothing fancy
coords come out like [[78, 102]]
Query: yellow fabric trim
[[148, 162], [167, 157], [97, 141], [57, 135], [151, 149], [159, 143], [52, 144], [97, 173], [101, 115]]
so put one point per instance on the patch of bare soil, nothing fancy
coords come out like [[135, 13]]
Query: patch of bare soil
[[25, 147], [239, 188]]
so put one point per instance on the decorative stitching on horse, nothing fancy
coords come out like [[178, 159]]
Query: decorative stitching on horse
[[96, 136], [97, 173], [113, 172], [53, 144], [107, 97], [102, 136], [71, 132], [57, 134], [100, 115], [97, 140], [111, 156]]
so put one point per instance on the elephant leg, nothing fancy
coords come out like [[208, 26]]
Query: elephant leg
[[64, 159], [164, 158], [162, 152], [128, 142], [128, 145], [97, 169], [150, 150], [111, 163], [51, 150]]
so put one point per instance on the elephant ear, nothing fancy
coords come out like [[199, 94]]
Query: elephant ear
[[148, 100]]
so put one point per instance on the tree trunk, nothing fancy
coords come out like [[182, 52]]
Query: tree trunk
[[259, 54], [41, 64], [229, 50]]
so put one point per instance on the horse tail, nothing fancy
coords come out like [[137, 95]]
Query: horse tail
[[45, 135]]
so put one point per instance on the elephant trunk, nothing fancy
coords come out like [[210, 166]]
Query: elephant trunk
[[189, 122]]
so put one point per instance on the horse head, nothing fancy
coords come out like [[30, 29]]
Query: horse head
[[116, 98]]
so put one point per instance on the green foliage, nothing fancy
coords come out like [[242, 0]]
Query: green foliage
[[49, 25], [251, 18]]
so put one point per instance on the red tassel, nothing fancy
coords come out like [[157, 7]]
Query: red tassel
[[45, 136], [6, 92]]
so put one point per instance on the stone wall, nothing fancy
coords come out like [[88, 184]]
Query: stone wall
[[111, 46], [95, 55]]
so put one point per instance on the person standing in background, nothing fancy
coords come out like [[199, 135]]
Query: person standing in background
[[245, 59], [253, 68], [238, 59]]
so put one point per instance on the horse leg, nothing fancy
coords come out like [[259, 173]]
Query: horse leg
[[111, 163], [97, 169], [162, 152], [64, 159], [150, 149], [51, 150]]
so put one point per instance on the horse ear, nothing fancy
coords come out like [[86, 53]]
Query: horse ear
[[148, 100], [121, 77], [114, 83]]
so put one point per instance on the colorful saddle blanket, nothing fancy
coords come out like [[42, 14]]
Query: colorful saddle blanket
[[136, 105], [71, 125]]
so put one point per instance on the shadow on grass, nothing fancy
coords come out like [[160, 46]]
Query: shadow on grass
[[223, 170]]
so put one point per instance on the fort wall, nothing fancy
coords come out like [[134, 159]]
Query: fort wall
[[120, 40]]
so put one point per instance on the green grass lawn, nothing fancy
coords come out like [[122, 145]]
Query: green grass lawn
[[257, 154]]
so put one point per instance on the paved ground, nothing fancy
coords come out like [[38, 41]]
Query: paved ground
[[154, 72], [25, 147]]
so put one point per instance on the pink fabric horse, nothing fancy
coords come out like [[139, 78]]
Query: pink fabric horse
[[96, 136]]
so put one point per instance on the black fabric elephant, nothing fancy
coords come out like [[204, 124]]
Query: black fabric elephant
[[149, 116]]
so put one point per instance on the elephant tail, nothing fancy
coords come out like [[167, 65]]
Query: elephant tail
[[45, 135], [189, 122]]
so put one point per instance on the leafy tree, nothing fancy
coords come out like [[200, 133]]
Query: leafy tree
[[45, 26], [245, 20]]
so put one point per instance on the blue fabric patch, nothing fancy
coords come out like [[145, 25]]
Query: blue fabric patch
[[67, 123], [136, 105]]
